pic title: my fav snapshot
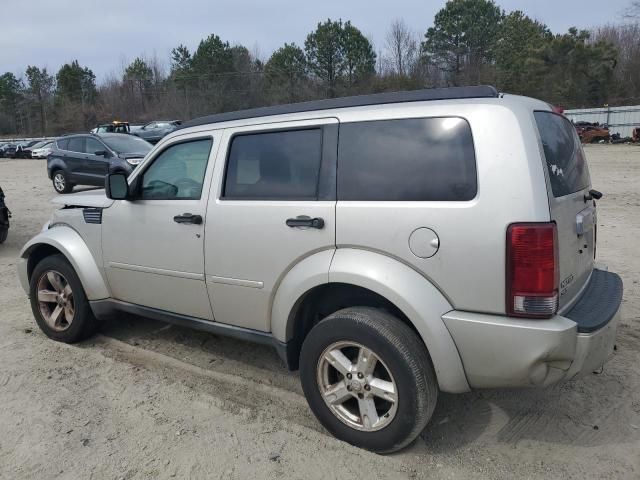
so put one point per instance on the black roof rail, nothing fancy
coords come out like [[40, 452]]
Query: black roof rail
[[429, 94]]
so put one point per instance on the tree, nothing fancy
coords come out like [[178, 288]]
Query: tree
[[518, 40], [213, 56], [139, 77], [76, 84], [325, 53], [40, 86], [463, 39], [359, 57], [572, 70], [287, 69], [10, 93], [402, 48]]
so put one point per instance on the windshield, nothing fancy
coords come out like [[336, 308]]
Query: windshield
[[127, 144]]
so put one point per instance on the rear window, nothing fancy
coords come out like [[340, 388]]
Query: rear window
[[568, 171], [418, 159]]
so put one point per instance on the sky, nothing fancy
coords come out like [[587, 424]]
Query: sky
[[107, 34]]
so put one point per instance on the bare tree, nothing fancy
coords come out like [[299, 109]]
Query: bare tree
[[402, 48]]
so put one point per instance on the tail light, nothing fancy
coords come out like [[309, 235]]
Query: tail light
[[532, 270]]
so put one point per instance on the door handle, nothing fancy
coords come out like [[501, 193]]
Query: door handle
[[304, 221], [188, 218]]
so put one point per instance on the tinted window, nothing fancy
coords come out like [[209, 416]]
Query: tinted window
[[127, 144], [425, 159], [92, 146], [274, 165], [568, 171], [76, 144], [178, 172], [62, 143]]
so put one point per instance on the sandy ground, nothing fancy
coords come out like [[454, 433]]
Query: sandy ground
[[145, 400]]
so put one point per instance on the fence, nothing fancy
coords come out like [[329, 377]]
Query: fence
[[620, 120]]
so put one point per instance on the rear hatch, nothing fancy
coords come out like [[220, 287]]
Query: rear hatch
[[570, 206]]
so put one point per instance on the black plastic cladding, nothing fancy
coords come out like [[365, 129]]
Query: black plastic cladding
[[431, 94]]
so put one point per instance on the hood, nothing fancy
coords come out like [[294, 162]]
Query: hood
[[90, 198]]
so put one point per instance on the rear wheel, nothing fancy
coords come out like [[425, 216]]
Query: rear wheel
[[58, 301], [61, 183], [368, 379]]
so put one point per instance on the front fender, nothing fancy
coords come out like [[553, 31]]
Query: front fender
[[416, 297], [72, 246]]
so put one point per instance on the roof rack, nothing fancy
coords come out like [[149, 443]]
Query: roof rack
[[481, 91]]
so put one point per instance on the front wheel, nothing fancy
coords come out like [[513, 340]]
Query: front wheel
[[58, 301], [368, 379]]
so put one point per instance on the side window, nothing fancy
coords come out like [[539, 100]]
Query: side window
[[76, 144], [419, 159], [274, 165], [178, 172], [63, 143], [92, 146]]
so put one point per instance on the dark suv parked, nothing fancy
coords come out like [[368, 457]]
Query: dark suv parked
[[87, 158]]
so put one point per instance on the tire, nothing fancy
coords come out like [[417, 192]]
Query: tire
[[61, 183], [71, 328], [400, 354]]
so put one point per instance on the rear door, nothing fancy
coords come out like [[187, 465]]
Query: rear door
[[271, 206], [568, 185], [75, 159], [96, 166]]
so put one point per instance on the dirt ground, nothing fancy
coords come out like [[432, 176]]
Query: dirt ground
[[146, 400]]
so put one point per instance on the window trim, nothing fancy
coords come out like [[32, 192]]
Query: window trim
[[475, 160], [319, 194], [139, 178]]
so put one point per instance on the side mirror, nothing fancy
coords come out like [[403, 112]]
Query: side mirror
[[116, 186]]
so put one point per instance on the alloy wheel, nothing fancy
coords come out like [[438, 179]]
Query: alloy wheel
[[357, 386], [59, 182], [55, 300]]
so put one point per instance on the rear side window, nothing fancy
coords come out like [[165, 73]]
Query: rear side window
[[274, 165], [418, 159], [76, 144], [568, 171], [63, 143]]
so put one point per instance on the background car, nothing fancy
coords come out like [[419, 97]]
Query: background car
[[42, 149], [113, 127], [23, 149], [5, 215], [9, 150], [86, 159], [154, 131]]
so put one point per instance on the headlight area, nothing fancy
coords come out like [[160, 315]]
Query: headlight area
[[134, 161]]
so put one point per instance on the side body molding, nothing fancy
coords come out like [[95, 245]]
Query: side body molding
[[416, 297], [73, 247]]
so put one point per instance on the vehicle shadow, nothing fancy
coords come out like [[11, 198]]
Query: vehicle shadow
[[596, 410]]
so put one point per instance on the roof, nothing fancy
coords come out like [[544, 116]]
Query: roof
[[452, 93]]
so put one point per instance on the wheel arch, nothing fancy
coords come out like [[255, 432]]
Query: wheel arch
[[67, 242], [363, 278]]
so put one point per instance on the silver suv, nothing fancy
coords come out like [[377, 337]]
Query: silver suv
[[389, 246]]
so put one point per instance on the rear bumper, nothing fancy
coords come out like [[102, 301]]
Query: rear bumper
[[499, 351]]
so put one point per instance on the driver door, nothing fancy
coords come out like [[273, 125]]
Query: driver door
[[153, 245]]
